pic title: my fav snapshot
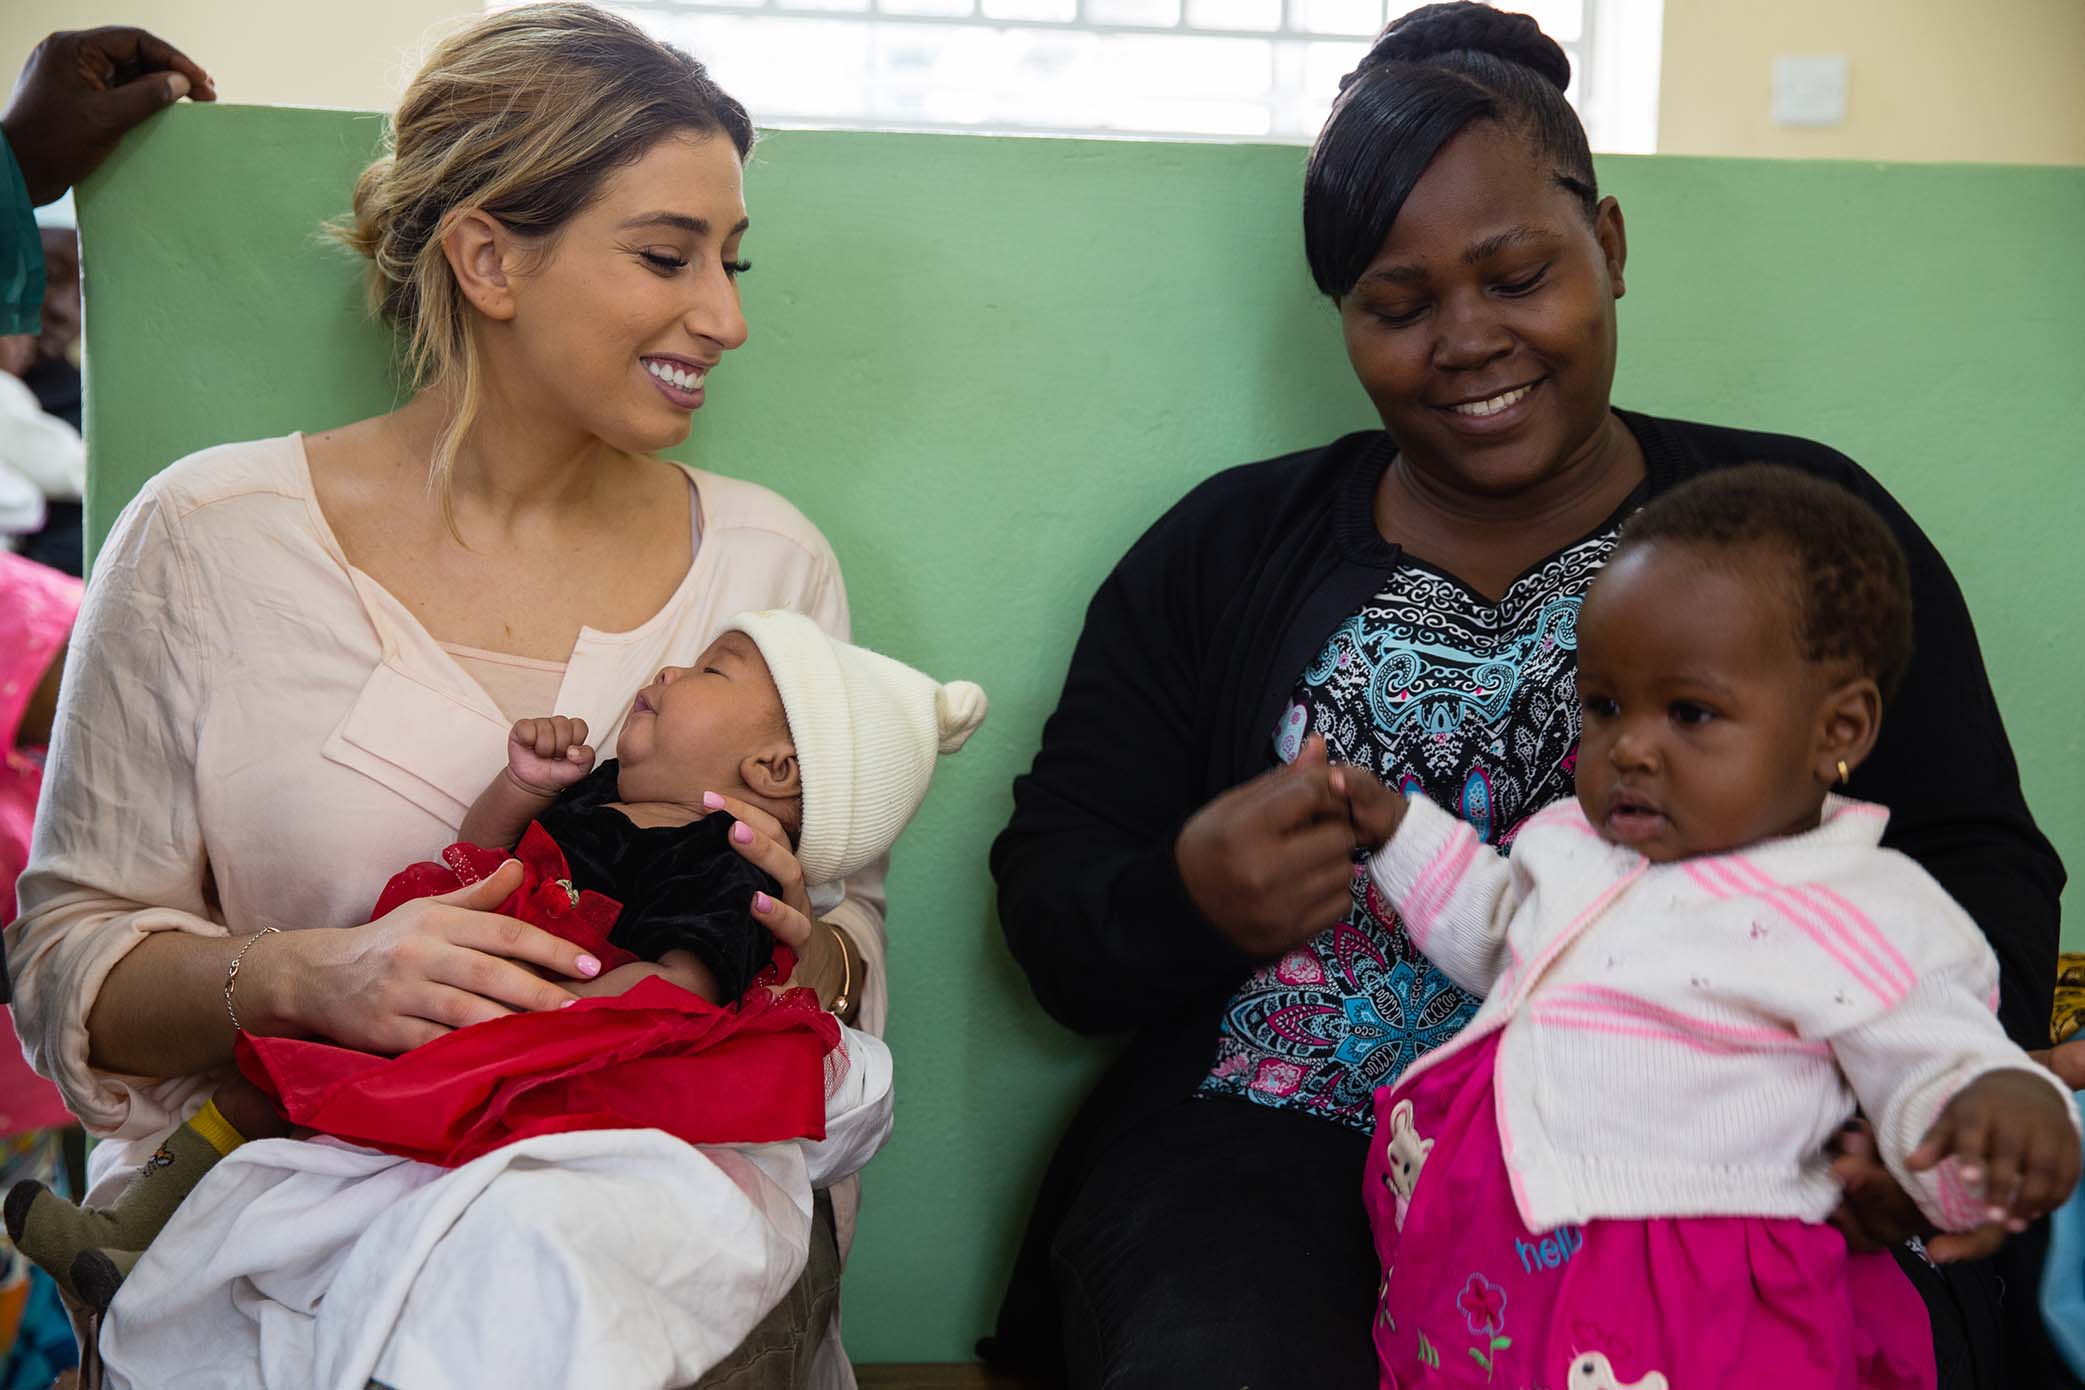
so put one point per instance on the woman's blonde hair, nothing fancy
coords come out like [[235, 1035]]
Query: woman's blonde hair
[[523, 115]]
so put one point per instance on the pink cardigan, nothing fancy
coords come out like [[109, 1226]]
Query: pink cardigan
[[1681, 1039], [253, 733]]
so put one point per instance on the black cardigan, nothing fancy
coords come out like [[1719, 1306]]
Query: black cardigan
[[1193, 643]]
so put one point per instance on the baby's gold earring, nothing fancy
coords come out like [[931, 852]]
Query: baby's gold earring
[[1842, 772]]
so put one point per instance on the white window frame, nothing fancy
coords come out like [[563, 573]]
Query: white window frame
[[1615, 57]]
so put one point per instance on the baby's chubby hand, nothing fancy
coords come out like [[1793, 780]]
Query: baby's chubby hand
[[547, 755], [2013, 1136], [1374, 809]]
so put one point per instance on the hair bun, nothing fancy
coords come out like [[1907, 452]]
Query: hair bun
[[1466, 26]]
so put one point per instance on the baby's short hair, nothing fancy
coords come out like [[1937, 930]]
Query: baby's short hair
[[1851, 586]]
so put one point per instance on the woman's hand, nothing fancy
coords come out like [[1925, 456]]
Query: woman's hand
[[1270, 863], [760, 839], [424, 968], [81, 90], [2067, 1060], [1874, 1212]]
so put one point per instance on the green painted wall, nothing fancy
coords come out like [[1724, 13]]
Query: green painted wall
[[984, 365]]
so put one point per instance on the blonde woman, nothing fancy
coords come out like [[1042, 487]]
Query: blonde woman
[[297, 664]]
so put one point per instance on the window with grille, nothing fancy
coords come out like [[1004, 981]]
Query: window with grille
[[1263, 70]]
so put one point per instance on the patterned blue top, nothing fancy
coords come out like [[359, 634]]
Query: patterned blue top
[[1434, 690]]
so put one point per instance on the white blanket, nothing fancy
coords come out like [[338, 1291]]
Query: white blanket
[[619, 1259]]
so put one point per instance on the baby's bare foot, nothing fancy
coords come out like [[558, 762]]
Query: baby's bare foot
[[250, 1111]]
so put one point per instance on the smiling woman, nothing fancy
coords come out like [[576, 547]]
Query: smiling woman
[[332, 634], [476, 187], [1405, 600]]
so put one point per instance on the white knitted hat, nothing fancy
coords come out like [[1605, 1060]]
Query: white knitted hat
[[867, 730]]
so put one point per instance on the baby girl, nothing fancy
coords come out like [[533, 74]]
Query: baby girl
[[633, 860], [1612, 1179]]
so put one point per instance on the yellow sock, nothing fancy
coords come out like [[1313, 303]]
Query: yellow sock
[[53, 1232], [221, 1134]]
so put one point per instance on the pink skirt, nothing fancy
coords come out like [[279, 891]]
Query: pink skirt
[[1470, 1296]]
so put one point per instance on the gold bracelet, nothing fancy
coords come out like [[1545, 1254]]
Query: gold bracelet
[[231, 975], [841, 1000]]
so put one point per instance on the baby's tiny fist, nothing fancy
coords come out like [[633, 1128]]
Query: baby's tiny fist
[[547, 755]]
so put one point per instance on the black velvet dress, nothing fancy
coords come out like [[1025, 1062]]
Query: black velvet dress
[[682, 887]]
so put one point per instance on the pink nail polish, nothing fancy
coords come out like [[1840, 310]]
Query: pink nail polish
[[742, 833], [713, 801], [589, 967], [568, 1003], [762, 902]]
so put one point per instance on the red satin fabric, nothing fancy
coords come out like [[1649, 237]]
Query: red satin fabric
[[657, 1057]]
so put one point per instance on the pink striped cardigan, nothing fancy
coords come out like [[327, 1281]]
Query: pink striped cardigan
[[1681, 1039]]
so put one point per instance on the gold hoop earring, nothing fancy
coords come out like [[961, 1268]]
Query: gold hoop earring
[[1842, 772]]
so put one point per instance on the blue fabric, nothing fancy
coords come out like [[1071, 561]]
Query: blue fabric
[[21, 252], [2063, 1277], [44, 1346]]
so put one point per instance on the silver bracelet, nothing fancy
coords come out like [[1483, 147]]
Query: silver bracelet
[[231, 976]]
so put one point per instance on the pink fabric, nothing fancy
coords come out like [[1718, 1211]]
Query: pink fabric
[[1470, 1296], [37, 605]]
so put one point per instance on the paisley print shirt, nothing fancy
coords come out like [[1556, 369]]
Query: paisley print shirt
[[1435, 690]]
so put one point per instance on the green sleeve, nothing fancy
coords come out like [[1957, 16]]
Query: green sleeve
[[21, 252]]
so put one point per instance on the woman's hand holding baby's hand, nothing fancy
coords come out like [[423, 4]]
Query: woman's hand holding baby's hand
[[547, 755], [2013, 1137], [1375, 810], [424, 968], [1270, 863]]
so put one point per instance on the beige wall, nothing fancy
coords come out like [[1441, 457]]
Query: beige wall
[[1974, 80], [353, 53]]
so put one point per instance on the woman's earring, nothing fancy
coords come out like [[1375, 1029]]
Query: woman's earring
[[1842, 772]]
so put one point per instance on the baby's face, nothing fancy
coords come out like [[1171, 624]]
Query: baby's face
[[691, 730], [1702, 715]]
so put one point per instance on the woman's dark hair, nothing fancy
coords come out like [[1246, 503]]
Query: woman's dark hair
[[1430, 75], [1850, 583]]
